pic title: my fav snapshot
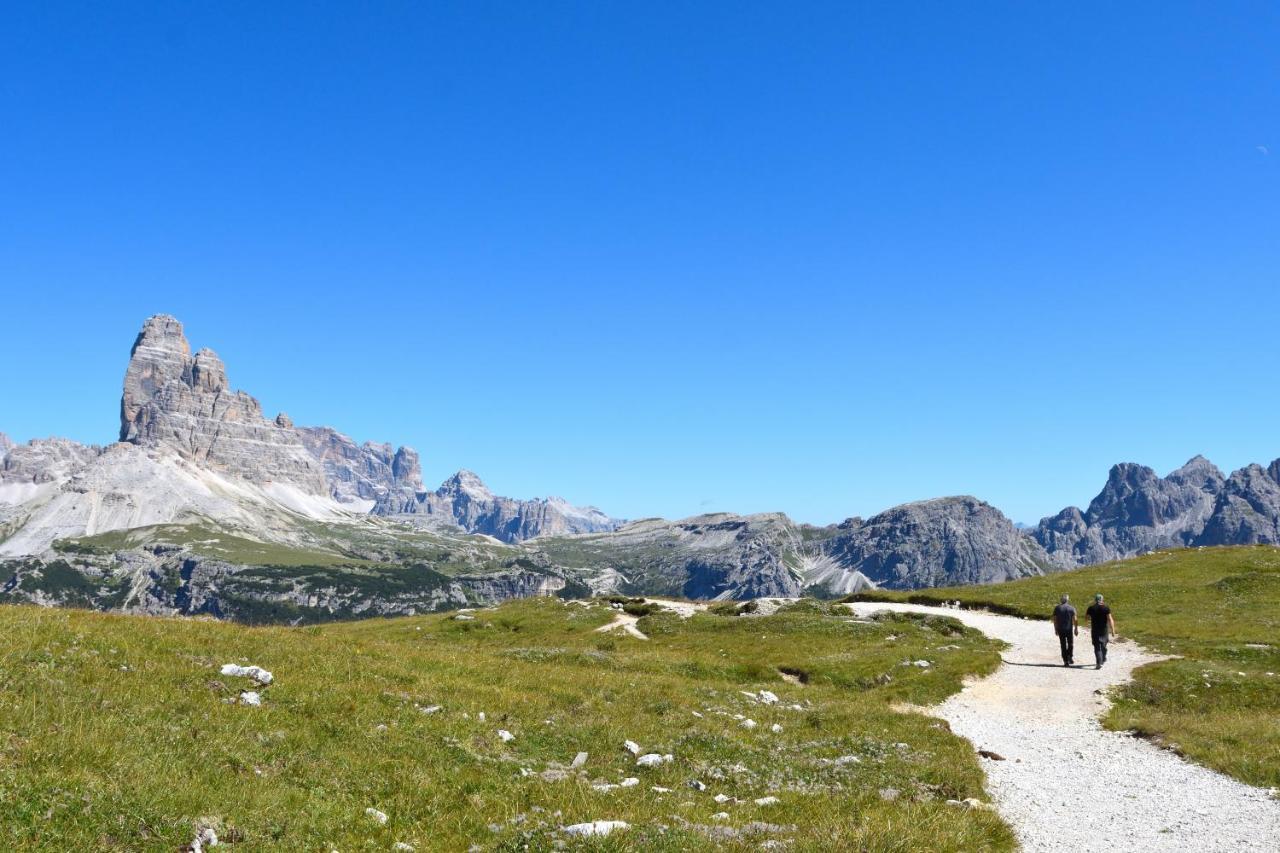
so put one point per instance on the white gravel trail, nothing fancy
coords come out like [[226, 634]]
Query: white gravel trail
[[1068, 783]]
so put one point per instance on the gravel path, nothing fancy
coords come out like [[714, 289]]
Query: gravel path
[[1068, 783]]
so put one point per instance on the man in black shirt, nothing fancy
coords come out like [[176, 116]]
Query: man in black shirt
[[1101, 625], [1065, 625]]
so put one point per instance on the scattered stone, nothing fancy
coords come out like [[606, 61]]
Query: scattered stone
[[720, 816], [767, 801], [579, 760], [776, 729], [631, 747], [402, 847], [889, 794], [506, 736], [722, 798], [923, 664], [768, 697], [431, 709], [596, 828], [652, 759], [378, 817], [250, 697], [629, 782], [257, 673], [658, 789], [696, 785], [464, 617], [205, 837], [748, 724]]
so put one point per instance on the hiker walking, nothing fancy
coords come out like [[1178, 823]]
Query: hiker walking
[[1102, 625], [1066, 626]]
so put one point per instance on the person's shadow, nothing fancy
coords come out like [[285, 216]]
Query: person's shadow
[[1051, 665]]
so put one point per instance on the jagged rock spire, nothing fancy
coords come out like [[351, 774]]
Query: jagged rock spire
[[181, 403]]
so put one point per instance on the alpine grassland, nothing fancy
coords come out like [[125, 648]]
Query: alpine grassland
[[1214, 611], [493, 729]]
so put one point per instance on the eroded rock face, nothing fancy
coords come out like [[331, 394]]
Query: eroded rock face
[[364, 472], [465, 501], [941, 542], [6, 444], [182, 403], [45, 460], [1247, 511], [1138, 511]]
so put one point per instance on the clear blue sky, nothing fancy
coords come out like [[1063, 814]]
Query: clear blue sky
[[665, 258]]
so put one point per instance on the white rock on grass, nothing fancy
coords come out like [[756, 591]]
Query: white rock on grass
[[721, 799], [402, 847], [431, 709], [768, 697], [257, 673], [720, 816], [506, 736], [776, 729], [250, 697], [767, 801], [629, 782], [596, 828], [579, 760], [378, 817], [748, 724], [652, 759], [205, 837], [658, 789], [463, 617], [631, 747]]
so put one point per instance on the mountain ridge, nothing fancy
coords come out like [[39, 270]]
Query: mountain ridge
[[206, 505]]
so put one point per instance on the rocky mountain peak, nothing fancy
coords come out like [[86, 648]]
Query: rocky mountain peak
[[1199, 472], [466, 483], [174, 402], [407, 468]]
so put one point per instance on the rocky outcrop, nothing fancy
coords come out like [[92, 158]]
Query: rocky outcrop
[[933, 543], [368, 472], [1138, 511], [1247, 510], [464, 501], [169, 581], [6, 444], [45, 460], [708, 556], [941, 542], [183, 404]]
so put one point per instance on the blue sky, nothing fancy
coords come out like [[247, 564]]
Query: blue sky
[[665, 258]]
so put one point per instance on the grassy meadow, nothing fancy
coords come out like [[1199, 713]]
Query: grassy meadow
[[1216, 609], [120, 733]]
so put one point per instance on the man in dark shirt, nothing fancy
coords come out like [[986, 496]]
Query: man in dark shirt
[[1066, 626], [1101, 625]]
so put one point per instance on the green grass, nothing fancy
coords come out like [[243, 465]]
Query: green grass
[[114, 732], [1218, 609]]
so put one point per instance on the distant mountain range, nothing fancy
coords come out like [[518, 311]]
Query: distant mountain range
[[206, 505]]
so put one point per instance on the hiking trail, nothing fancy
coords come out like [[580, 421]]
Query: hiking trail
[[1066, 782]]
